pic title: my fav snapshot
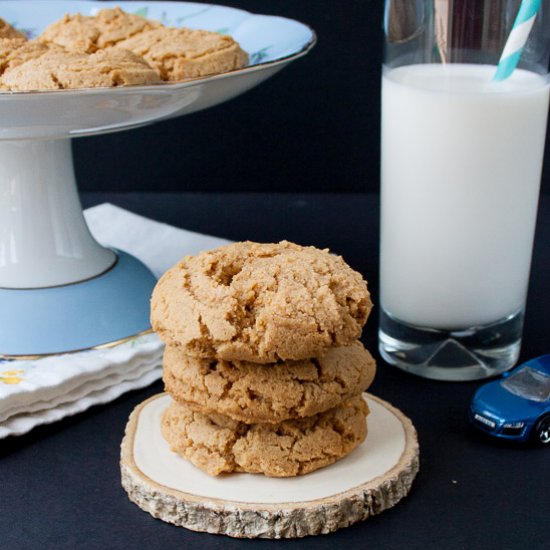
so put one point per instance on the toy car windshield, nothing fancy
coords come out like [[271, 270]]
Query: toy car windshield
[[529, 383]]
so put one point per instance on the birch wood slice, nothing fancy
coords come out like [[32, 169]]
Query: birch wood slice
[[373, 478]]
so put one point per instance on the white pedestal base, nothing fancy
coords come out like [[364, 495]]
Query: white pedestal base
[[44, 239]]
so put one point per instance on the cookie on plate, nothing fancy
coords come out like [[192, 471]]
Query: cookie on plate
[[7, 31], [8, 46], [85, 33], [260, 303], [181, 53], [269, 393], [57, 69], [16, 51], [217, 444]]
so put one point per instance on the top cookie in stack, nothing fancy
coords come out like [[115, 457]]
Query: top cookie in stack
[[262, 358], [260, 303]]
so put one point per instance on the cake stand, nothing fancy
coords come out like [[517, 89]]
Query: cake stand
[[60, 290]]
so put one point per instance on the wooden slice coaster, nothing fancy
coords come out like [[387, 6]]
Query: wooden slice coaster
[[373, 478]]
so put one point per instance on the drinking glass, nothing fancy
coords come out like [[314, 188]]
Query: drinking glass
[[462, 157]]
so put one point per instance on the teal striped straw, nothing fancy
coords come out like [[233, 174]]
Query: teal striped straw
[[518, 37]]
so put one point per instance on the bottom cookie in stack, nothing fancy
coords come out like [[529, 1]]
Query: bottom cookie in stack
[[218, 444], [281, 419]]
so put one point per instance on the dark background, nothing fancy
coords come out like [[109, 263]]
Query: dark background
[[294, 132], [313, 127]]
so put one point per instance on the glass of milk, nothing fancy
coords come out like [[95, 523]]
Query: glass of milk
[[461, 166]]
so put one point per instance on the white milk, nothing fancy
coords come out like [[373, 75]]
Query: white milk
[[461, 168]]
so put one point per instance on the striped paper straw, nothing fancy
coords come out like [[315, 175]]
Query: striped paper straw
[[518, 37]]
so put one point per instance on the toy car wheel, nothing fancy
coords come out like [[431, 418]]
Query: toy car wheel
[[542, 430]]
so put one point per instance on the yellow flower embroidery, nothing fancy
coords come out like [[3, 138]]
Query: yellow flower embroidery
[[11, 376]]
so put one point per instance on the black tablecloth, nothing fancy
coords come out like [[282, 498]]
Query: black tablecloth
[[60, 484]]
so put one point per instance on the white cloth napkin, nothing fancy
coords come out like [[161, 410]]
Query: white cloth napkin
[[158, 245], [45, 390]]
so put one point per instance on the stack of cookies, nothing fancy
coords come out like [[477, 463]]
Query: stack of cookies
[[262, 358], [111, 48]]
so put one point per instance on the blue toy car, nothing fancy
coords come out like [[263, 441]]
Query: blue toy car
[[517, 406]]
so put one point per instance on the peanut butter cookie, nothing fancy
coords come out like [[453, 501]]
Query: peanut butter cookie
[[260, 303], [57, 70], [181, 53], [84, 33], [16, 51], [270, 393], [7, 31], [7, 48], [217, 444]]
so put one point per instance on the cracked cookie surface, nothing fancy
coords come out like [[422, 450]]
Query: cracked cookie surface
[[8, 47], [271, 393], [181, 53], [88, 34], [56, 69], [260, 303], [217, 444]]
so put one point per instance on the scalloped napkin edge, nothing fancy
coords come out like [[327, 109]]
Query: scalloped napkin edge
[[23, 423]]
